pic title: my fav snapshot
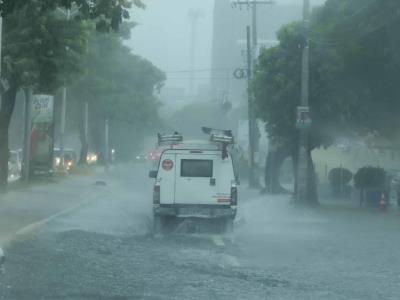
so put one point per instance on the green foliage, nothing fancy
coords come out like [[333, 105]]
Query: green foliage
[[354, 71], [277, 90], [339, 177], [370, 177], [41, 50], [107, 14], [121, 87]]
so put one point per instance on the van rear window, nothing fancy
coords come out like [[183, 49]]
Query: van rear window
[[196, 168]]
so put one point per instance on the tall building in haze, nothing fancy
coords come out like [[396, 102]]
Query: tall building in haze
[[229, 42]]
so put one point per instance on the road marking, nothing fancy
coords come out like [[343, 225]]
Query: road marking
[[37, 225], [218, 241]]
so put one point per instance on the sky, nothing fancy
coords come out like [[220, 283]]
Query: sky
[[163, 36]]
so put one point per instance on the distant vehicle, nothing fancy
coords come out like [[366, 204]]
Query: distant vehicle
[[70, 158], [112, 155], [15, 164], [141, 157], [154, 155], [56, 158], [91, 158], [195, 179]]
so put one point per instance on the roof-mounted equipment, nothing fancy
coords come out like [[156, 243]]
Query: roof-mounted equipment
[[169, 139], [225, 137]]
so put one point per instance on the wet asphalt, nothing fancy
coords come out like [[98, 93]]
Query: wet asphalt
[[106, 250]]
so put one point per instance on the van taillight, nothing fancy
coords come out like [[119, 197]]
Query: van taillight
[[156, 194], [234, 195]]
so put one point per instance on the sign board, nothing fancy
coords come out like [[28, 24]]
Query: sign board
[[240, 73], [42, 108], [42, 135], [303, 119]]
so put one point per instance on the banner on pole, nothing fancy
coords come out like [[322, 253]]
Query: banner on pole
[[42, 135]]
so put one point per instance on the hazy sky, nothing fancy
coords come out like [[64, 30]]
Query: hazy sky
[[164, 33]]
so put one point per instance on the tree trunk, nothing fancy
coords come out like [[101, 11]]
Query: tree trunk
[[361, 197], [311, 198], [295, 159], [273, 167], [312, 190], [98, 137], [82, 136], [6, 111]]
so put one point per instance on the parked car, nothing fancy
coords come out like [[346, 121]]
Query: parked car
[[14, 164]]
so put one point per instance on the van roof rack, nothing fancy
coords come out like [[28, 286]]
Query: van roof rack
[[219, 135], [225, 137], [169, 139]]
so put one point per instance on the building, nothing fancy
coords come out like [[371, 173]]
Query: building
[[229, 41]]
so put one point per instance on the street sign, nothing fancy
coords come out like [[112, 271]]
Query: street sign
[[240, 73], [303, 120]]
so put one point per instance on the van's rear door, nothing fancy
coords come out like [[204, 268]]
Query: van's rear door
[[167, 173], [195, 179]]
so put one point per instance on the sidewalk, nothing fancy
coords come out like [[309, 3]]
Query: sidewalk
[[26, 205]]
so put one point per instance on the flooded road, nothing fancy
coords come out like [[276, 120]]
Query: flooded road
[[106, 250]]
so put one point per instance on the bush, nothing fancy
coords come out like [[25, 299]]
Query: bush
[[370, 178]]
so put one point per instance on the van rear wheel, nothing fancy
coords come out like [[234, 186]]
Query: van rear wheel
[[228, 225]]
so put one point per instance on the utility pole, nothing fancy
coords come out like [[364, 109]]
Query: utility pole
[[68, 14], [106, 145], [86, 122], [1, 43], [62, 127], [253, 181], [252, 50], [194, 16], [303, 121], [27, 134]]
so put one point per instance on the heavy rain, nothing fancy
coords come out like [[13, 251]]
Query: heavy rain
[[199, 149]]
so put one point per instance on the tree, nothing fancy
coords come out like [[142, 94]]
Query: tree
[[364, 35], [43, 52], [107, 14], [277, 89], [118, 86], [354, 69]]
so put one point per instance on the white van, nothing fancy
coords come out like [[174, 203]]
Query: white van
[[195, 179]]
